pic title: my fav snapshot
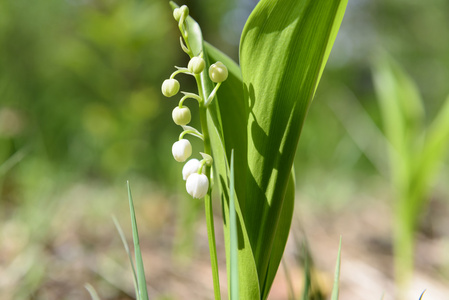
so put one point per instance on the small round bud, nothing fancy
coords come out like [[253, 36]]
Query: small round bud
[[184, 11], [177, 14], [197, 185], [196, 65], [170, 87], [181, 150], [218, 72], [181, 115], [191, 167]]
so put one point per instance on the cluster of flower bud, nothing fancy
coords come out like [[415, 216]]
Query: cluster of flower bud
[[193, 172], [181, 13]]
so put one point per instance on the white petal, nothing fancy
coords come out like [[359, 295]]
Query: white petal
[[181, 150], [197, 185], [190, 167]]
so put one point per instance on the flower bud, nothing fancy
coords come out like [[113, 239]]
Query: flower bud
[[181, 150], [184, 11], [218, 72], [170, 87], [177, 14], [191, 167], [181, 115], [197, 185], [196, 65]]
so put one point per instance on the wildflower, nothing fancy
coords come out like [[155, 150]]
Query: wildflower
[[196, 65], [190, 168], [218, 72], [181, 150], [197, 185], [170, 87]]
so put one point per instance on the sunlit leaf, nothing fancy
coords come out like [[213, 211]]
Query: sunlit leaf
[[283, 49]]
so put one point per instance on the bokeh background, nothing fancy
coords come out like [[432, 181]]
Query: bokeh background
[[81, 113]]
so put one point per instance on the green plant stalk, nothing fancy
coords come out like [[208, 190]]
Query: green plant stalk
[[208, 197], [403, 244]]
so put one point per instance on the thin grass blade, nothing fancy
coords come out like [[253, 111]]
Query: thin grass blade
[[288, 277], [141, 281], [93, 294], [336, 288], [128, 252]]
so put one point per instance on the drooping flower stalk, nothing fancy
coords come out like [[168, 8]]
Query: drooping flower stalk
[[196, 173]]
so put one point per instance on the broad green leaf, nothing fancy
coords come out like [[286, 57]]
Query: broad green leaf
[[226, 119], [234, 267], [282, 233], [232, 110], [283, 49]]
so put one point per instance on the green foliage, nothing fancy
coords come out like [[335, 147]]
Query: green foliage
[[139, 269], [233, 234], [415, 153], [259, 112], [336, 288], [83, 81]]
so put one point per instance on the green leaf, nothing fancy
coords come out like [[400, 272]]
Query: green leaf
[[141, 282], [336, 288], [283, 231], [283, 49], [402, 117], [128, 252], [234, 272], [226, 118], [435, 148]]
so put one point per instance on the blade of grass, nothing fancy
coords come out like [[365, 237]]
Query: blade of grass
[[13, 160], [234, 291], [307, 274], [125, 245], [92, 292], [141, 282], [291, 291], [422, 294], [336, 288]]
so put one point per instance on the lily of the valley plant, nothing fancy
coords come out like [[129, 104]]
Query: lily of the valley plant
[[257, 109]]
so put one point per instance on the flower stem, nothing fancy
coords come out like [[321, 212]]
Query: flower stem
[[208, 197]]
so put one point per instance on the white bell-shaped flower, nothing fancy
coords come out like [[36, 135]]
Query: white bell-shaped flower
[[191, 167], [197, 185], [181, 150], [181, 115], [170, 87]]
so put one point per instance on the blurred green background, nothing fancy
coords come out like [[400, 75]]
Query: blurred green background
[[81, 112]]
